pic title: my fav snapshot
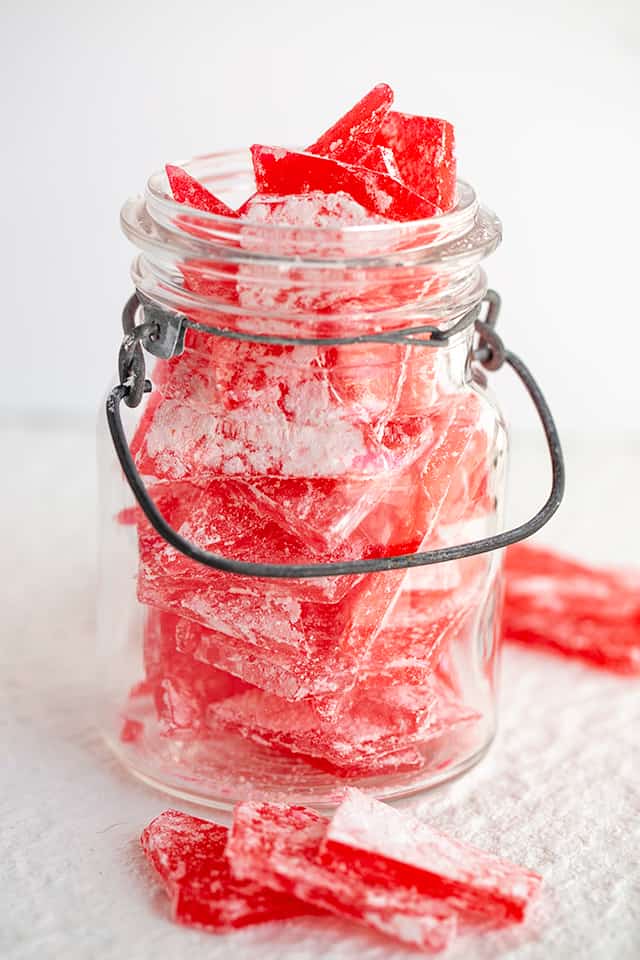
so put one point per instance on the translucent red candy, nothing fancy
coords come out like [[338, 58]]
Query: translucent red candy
[[280, 171], [382, 845], [187, 190], [375, 721], [282, 848], [182, 688], [423, 148], [554, 602], [360, 123], [188, 855]]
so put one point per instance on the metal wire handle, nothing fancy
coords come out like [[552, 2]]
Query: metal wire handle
[[490, 352]]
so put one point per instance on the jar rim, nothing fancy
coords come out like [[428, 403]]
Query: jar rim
[[157, 222]]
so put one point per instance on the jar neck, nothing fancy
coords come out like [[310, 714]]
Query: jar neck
[[290, 280]]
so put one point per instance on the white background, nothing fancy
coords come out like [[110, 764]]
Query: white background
[[544, 98]]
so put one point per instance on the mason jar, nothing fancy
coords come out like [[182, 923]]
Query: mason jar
[[314, 433]]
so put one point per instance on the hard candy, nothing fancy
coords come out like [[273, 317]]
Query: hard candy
[[188, 854], [375, 720], [360, 123], [555, 602], [182, 688], [282, 847], [280, 171], [187, 190], [423, 148], [383, 845]]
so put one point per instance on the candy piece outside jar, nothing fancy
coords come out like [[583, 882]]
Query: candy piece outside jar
[[239, 688]]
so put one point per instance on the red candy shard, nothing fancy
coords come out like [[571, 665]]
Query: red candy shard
[[187, 190], [280, 171], [373, 722], [188, 854], [131, 730], [581, 611], [282, 847], [423, 148], [359, 123], [182, 688], [381, 844]]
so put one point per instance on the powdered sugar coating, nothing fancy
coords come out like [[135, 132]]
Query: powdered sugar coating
[[482, 888], [188, 855], [582, 611], [281, 847]]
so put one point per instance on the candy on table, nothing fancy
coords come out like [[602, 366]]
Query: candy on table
[[182, 688], [188, 855], [360, 123], [131, 730], [587, 612], [423, 148], [282, 847], [286, 172], [381, 844]]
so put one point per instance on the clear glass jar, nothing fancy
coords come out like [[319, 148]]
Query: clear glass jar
[[219, 687]]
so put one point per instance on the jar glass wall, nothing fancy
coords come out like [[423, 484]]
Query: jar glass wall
[[221, 687]]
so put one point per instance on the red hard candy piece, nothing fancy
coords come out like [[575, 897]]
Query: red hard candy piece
[[131, 730], [280, 171], [423, 148], [282, 847], [376, 720], [383, 845], [182, 687], [555, 602], [188, 855], [361, 122], [188, 191]]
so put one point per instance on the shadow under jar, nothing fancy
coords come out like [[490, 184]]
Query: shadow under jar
[[267, 441]]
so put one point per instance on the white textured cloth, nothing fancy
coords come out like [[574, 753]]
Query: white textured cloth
[[559, 791]]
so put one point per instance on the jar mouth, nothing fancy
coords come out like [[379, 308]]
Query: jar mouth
[[157, 223]]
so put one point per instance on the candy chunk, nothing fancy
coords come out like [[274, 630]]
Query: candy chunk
[[285, 172], [188, 191], [360, 123], [281, 847], [423, 148], [381, 844], [182, 687], [581, 611], [188, 855], [375, 721], [403, 761], [131, 730]]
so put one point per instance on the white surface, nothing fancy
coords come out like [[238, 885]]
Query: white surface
[[543, 96], [559, 791]]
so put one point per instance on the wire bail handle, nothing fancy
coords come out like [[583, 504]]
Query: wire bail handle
[[162, 334]]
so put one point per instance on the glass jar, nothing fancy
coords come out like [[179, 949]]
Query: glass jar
[[315, 401]]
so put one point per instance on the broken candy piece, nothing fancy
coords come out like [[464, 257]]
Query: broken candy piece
[[281, 847], [423, 148], [182, 688], [282, 171], [188, 855], [371, 723], [580, 611], [131, 730], [188, 191], [359, 123], [381, 844]]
